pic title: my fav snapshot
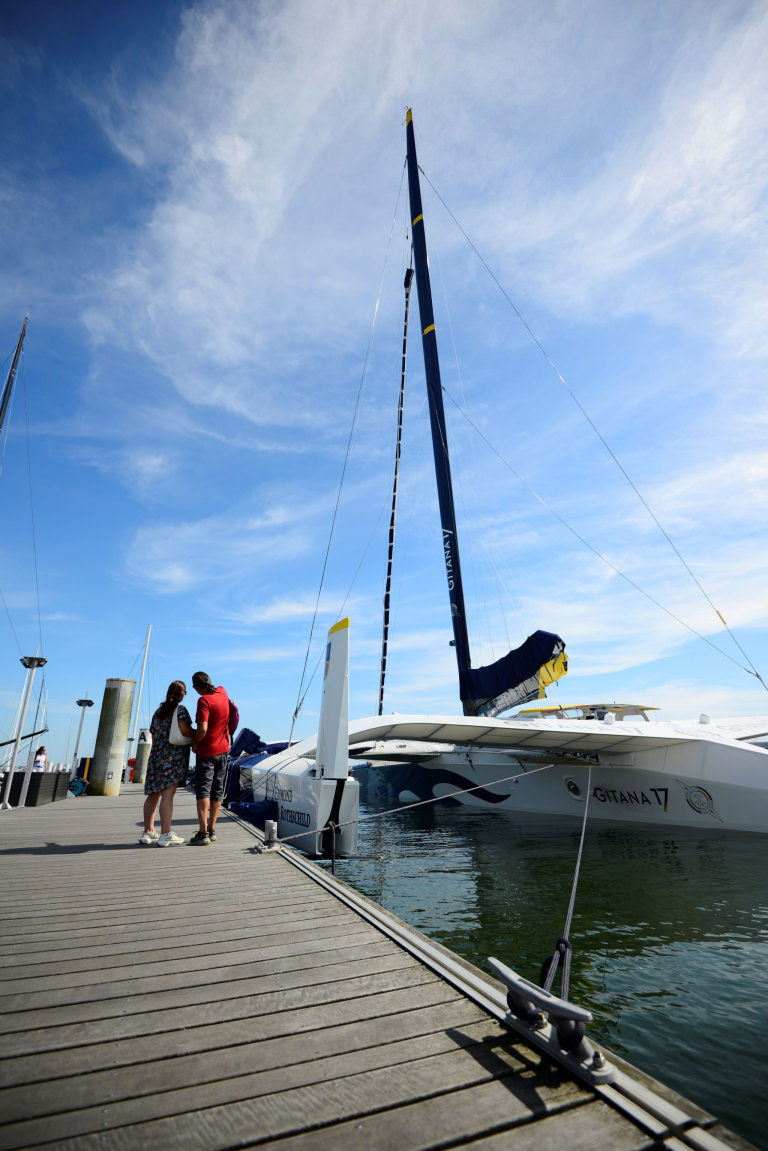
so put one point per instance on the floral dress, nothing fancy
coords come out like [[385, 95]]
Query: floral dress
[[167, 763]]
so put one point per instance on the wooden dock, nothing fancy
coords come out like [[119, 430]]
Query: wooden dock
[[218, 997]]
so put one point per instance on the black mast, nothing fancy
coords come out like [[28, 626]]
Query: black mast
[[8, 389], [437, 416]]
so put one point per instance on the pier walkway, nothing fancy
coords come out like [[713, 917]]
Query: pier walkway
[[216, 997]]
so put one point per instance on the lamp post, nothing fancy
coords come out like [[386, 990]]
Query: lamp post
[[84, 704], [31, 663]]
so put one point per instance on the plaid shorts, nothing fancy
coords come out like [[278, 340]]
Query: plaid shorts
[[210, 773]]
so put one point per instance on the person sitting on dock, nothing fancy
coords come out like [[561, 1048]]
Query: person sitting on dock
[[167, 767], [211, 749]]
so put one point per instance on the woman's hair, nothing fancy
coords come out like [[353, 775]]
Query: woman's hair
[[175, 694]]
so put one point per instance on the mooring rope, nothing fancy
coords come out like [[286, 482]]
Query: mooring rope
[[563, 949]]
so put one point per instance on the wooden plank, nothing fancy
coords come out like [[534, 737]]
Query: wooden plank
[[214, 984], [123, 1100], [271, 995], [588, 1127], [321, 1104], [170, 951], [200, 958], [114, 1044]]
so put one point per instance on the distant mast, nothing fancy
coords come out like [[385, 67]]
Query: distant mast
[[8, 388], [437, 416]]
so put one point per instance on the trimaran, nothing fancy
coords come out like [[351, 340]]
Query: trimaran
[[544, 760]]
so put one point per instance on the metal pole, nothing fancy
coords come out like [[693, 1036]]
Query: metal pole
[[132, 740], [84, 704], [32, 663], [16, 725]]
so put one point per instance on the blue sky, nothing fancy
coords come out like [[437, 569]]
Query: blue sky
[[198, 205]]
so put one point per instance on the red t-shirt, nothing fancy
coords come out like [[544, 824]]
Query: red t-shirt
[[214, 709]]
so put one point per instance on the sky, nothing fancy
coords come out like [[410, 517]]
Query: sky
[[203, 211]]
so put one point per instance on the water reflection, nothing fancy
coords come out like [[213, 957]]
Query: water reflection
[[669, 931]]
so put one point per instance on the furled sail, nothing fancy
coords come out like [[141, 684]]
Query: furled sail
[[519, 676]]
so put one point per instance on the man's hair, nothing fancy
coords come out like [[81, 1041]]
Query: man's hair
[[203, 683]]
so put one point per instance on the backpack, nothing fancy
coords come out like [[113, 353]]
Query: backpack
[[234, 718]]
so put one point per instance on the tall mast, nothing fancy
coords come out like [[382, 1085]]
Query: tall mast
[[437, 414], [8, 389]]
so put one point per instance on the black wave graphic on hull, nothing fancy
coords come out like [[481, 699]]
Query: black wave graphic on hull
[[422, 782]]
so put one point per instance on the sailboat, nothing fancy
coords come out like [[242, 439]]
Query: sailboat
[[548, 760]]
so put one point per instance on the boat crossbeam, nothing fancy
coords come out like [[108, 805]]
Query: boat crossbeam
[[555, 1025]]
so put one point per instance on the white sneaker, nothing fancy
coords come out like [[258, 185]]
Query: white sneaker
[[150, 837], [169, 840]]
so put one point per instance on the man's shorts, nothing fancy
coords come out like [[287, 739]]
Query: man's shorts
[[210, 772]]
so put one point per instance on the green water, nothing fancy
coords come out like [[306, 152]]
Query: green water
[[669, 934]]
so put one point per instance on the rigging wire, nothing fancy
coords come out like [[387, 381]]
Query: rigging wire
[[350, 589], [752, 670], [422, 802], [563, 950], [32, 506], [10, 621], [301, 697], [468, 526], [593, 549]]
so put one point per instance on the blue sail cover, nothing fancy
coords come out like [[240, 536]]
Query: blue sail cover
[[516, 678]]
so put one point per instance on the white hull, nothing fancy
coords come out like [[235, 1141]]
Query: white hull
[[671, 775], [303, 803]]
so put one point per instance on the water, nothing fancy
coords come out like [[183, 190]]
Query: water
[[669, 932]]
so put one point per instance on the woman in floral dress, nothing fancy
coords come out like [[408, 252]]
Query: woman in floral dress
[[167, 767]]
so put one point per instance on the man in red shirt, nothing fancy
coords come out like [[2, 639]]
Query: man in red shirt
[[211, 746]]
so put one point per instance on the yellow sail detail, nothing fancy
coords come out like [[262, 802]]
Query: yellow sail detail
[[551, 672]]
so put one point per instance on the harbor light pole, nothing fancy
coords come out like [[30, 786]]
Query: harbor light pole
[[84, 704], [31, 663]]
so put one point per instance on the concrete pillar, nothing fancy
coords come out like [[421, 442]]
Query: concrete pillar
[[143, 748], [109, 754]]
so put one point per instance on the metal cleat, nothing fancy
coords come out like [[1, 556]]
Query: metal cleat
[[554, 1025]]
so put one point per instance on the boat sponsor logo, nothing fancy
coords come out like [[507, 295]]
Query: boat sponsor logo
[[700, 800], [291, 815], [447, 548], [283, 795], [653, 797]]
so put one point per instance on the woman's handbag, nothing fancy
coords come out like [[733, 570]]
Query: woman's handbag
[[175, 737]]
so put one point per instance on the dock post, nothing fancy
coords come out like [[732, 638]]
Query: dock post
[[143, 748], [109, 754]]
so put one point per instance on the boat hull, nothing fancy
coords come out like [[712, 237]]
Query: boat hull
[[302, 803], [678, 788]]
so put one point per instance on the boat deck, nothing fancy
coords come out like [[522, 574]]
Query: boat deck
[[221, 997]]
